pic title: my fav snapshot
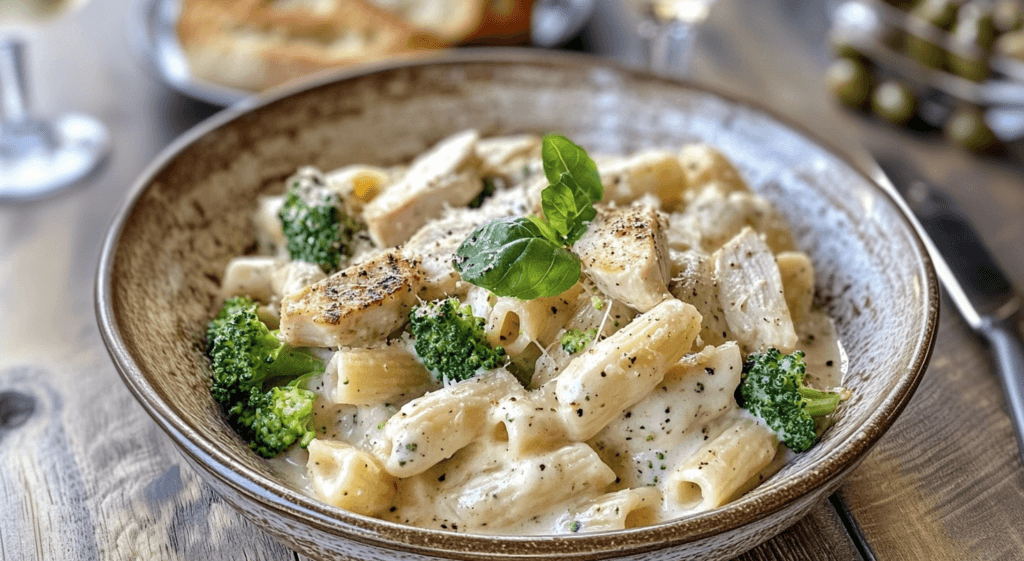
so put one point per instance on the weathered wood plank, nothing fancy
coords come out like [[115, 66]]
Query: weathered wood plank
[[85, 474], [945, 482], [818, 537]]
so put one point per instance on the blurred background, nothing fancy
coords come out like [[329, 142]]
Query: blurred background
[[92, 90]]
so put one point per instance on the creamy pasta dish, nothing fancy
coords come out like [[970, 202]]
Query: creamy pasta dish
[[507, 340]]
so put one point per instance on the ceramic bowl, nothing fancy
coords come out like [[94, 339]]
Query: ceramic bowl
[[190, 212]]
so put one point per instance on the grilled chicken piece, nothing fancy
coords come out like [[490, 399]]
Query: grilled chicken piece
[[655, 172], [354, 307], [797, 273], [446, 175], [715, 217], [750, 289], [624, 252], [694, 282]]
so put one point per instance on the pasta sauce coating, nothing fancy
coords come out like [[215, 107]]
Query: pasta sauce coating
[[637, 426]]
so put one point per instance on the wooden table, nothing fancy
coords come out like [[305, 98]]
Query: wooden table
[[85, 474]]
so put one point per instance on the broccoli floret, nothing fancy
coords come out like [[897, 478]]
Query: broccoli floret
[[245, 356], [773, 390], [450, 340], [278, 418], [575, 340], [315, 227]]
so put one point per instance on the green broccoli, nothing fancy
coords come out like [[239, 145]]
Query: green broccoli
[[316, 227], [575, 340], [245, 356], [773, 390], [277, 418], [450, 340]]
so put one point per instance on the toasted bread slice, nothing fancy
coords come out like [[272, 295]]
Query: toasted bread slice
[[451, 20], [255, 44]]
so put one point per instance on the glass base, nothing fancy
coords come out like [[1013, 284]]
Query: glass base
[[37, 160]]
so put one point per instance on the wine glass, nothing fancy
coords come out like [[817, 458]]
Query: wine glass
[[38, 157], [670, 28]]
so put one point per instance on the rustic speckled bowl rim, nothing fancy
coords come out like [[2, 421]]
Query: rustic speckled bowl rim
[[279, 498]]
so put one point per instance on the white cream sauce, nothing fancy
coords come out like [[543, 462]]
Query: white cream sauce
[[691, 407]]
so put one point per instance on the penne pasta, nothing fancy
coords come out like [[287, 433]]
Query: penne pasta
[[719, 471], [251, 277], [797, 274], [377, 375], [628, 508], [503, 497], [513, 324], [618, 371], [613, 405], [433, 427], [654, 172], [349, 478]]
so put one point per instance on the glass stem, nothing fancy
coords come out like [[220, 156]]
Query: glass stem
[[672, 48], [669, 45], [13, 85]]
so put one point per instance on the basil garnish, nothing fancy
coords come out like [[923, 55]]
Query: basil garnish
[[512, 257], [529, 257]]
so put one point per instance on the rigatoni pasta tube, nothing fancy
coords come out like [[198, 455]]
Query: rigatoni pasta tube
[[531, 422], [370, 376], [431, 428], [527, 486], [719, 470], [349, 478], [628, 508], [513, 324], [620, 370]]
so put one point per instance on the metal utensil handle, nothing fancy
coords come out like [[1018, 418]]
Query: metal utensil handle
[[1008, 349]]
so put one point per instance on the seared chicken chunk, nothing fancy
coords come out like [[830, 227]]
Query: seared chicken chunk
[[446, 175], [354, 307], [694, 282], [752, 296], [434, 247], [715, 217], [624, 252]]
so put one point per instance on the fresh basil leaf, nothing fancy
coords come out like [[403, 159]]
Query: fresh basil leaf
[[512, 257], [567, 209], [560, 155], [559, 206], [545, 229]]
